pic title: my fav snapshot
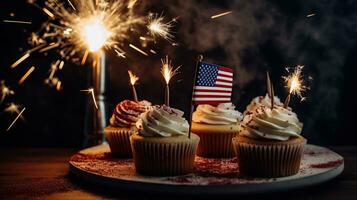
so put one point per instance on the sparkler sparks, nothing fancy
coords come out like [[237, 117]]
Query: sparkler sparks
[[17, 21], [167, 70], [138, 49], [91, 91], [17, 117], [310, 15], [221, 14], [26, 75], [4, 91], [20, 60], [133, 79], [158, 27], [294, 82]]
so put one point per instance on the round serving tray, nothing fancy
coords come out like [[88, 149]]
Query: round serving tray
[[211, 176]]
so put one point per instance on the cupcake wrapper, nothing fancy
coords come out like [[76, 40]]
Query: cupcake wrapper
[[215, 145], [269, 160], [164, 159], [119, 142]]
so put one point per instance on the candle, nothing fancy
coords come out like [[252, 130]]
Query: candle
[[133, 79]]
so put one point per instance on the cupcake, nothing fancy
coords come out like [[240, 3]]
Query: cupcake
[[269, 143], [216, 126], [162, 146], [122, 126], [261, 101]]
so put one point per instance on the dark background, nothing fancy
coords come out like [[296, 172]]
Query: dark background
[[258, 36]]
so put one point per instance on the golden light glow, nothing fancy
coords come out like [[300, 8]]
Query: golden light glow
[[19, 115], [158, 27], [294, 81], [167, 70], [95, 33], [221, 14], [133, 77]]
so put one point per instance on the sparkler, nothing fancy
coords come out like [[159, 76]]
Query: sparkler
[[295, 84], [167, 72], [158, 28], [133, 79], [4, 91], [221, 14], [91, 91]]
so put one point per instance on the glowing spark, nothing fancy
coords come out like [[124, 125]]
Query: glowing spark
[[85, 57], [95, 33], [167, 70], [121, 54], [27, 74], [139, 50], [12, 108], [152, 51], [157, 27], [311, 15], [131, 3], [58, 86], [20, 60], [61, 65], [5, 91], [70, 3], [17, 117], [295, 83], [49, 47], [133, 77], [17, 21], [91, 91], [221, 14], [48, 12]]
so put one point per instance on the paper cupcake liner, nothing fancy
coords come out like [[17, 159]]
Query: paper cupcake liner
[[119, 142], [269, 160], [215, 145], [164, 159]]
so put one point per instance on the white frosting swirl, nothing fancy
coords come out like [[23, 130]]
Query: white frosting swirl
[[277, 124], [162, 121], [261, 101], [224, 113]]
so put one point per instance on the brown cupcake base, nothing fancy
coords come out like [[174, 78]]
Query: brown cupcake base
[[268, 158], [160, 156], [215, 140], [119, 142]]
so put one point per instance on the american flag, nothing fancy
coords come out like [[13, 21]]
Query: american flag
[[213, 84]]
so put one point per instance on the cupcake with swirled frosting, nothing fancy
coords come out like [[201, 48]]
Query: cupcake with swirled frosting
[[162, 146], [269, 143], [261, 101], [122, 125], [216, 126]]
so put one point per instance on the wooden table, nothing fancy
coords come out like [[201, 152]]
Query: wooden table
[[38, 173]]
